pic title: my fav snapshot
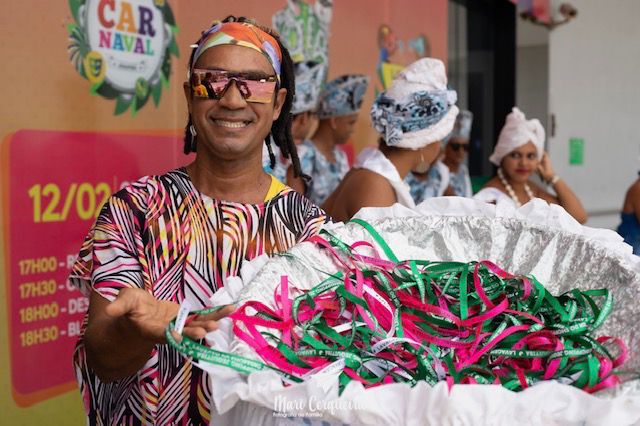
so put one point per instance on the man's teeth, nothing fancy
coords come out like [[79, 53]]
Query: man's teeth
[[234, 124]]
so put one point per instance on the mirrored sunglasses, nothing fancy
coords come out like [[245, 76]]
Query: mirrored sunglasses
[[213, 84]]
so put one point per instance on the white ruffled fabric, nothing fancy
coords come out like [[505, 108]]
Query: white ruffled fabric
[[239, 400], [518, 131], [545, 404]]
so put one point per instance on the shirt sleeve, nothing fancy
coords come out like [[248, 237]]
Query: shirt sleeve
[[111, 257], [314, 219]]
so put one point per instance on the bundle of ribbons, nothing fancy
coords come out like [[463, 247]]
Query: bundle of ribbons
[[380, 320]]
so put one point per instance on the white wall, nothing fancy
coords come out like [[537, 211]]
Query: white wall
[[532, 81], [594, 92], [532, 70]]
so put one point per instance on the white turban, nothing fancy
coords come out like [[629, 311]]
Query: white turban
[[518, 131], [462, 128]]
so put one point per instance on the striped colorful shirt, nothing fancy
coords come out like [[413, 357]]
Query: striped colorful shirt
[[161, 234]]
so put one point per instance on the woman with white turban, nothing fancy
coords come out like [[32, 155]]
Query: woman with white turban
[[518, 154], [412, 116]]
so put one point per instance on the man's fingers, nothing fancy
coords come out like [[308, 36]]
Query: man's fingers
[[176, 336], [200, 325], [227, 310], [196, 327], [208, 325], [195, 333]]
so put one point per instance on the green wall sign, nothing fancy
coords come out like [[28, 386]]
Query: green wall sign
[[576, 151]]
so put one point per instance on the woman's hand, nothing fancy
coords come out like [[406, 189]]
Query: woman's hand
[[564, 195], [545, 169]]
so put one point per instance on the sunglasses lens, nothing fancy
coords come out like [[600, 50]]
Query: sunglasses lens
[[217, 87], [257, 91], [457, 146], [214, 84]]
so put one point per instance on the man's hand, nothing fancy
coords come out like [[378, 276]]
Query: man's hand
[[138, 312], [198, 326], [121, 335]]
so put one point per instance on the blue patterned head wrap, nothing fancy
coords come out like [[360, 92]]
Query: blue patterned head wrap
[[393, 119], [343, 96]]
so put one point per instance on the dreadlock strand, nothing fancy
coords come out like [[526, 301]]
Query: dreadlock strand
[[187, 130], [187, 137], [272, 156], [281, 128]]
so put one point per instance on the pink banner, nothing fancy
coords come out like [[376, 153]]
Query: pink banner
[[53, 199]]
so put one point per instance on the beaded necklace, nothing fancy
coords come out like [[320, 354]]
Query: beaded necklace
[[510, 190]]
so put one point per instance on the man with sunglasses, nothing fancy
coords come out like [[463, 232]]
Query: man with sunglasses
[[175, 238]]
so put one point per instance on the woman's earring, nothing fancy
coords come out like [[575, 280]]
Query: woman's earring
[[422, 166], [192, 142]]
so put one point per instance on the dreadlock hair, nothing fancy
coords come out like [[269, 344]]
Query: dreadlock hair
[[281, 128]]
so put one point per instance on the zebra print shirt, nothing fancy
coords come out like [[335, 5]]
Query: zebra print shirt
[[162, 235]]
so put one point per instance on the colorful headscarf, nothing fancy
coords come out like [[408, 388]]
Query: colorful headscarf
[[309, 78], [417, 109], [241, 34], [518, 131], [343, 96], [462, 128]]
